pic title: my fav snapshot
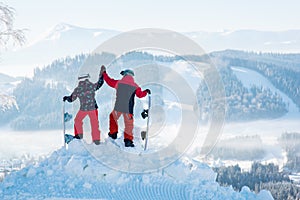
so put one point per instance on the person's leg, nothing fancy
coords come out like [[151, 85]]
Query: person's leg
[[113, 124], [78, 130], [93, 114], [128, 121]]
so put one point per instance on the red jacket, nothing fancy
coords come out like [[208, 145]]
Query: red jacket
[[126, 90]]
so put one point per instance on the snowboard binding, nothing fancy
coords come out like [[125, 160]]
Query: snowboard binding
[[143, 135], [145, 113], [67, 117]]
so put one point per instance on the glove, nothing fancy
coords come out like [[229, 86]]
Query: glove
[[66, 98], [103, 69], [148, 91]]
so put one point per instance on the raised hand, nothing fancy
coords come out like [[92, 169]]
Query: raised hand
[[148, 91], [103, 69]]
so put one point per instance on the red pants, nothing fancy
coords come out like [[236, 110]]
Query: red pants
[[128, 121], [93, 115]]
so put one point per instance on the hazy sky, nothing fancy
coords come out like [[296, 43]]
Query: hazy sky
[[39, 16]]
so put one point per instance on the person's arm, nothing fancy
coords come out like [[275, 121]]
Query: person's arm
[[111, 82], [140, 94], [72, 97], [99, 83]]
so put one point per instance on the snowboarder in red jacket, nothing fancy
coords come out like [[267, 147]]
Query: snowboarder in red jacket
[[85, 91], [126, 90]]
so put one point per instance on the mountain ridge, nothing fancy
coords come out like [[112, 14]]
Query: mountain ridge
[[67, 40]]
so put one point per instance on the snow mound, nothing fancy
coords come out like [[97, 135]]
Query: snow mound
[[75, 174]]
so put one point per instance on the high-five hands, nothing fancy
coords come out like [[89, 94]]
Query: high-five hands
[[103, 69]]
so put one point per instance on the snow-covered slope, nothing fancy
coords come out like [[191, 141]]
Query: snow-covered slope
[[252, 78], [76, 174]]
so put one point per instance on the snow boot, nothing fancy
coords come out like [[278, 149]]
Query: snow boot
[[128, 143], [113, 135], [78, 136], [97, 142]]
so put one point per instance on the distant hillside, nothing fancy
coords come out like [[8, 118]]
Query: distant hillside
[[6, 78], [38, 111], [249, 40], [283, 60], [283, 70]]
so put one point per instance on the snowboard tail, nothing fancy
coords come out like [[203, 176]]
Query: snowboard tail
[[68, 138], [143, 135]]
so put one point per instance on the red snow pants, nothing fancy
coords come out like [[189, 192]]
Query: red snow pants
[[93, 115], [128, 121]]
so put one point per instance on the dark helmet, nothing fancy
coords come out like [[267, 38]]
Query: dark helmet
[[127, 72]]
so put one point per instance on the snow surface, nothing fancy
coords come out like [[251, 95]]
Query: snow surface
[[74, 173], [16, 144]]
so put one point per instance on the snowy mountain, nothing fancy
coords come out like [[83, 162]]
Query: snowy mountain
[[249, 40], [68, 40], [60, 41], [75, 174]]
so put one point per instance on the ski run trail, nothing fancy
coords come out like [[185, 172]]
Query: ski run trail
[[73, 173]]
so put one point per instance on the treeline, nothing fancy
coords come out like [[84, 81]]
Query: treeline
[[281, 69], [286, 60], [260, 177], [39, 104], [8, 108], [290, 142], [39, 98], [243, 103]]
